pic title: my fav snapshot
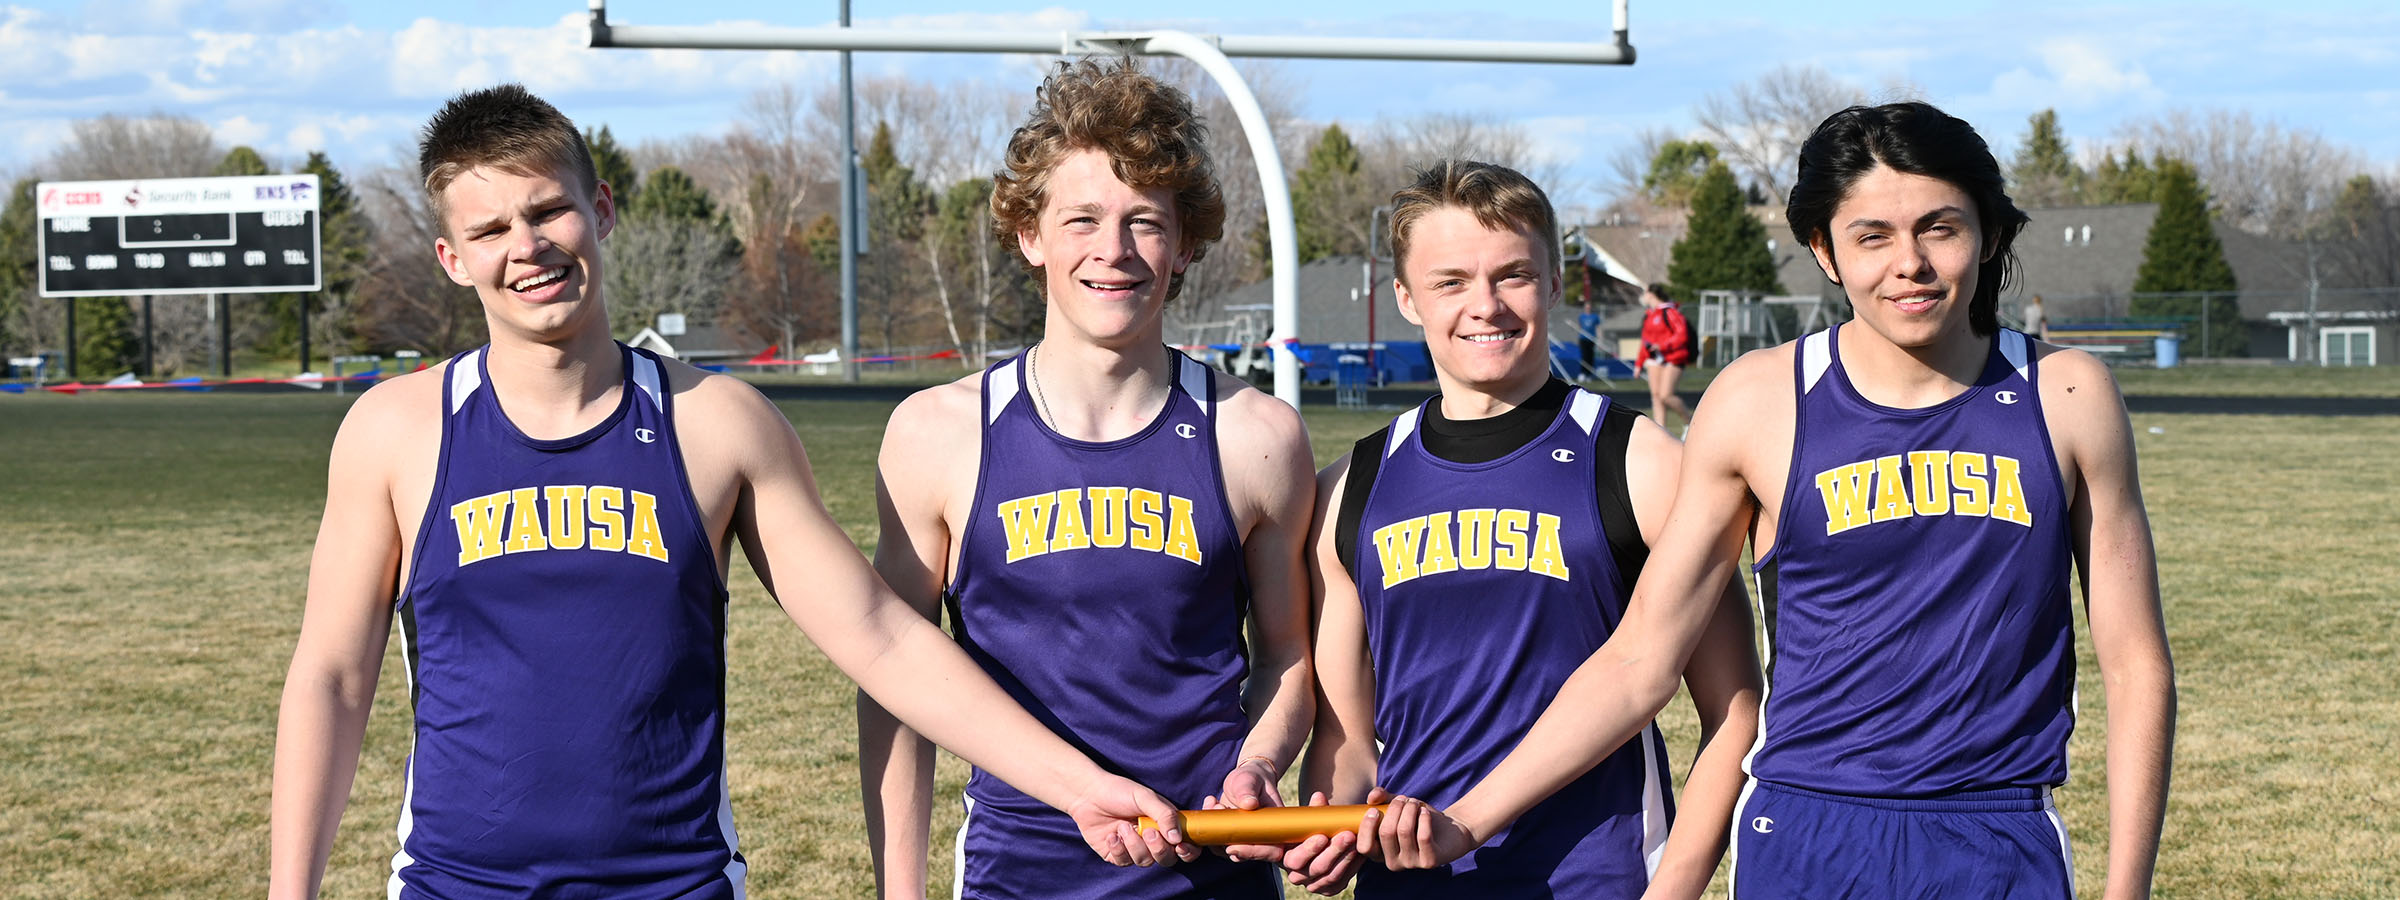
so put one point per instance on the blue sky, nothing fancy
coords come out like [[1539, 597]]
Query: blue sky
[[354, 79]]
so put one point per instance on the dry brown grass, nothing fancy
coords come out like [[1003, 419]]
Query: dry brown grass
[[152, 552]]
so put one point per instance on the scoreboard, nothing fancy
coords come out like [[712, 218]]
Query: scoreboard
[[247, 234]]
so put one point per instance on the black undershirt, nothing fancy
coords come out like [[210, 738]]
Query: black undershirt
[[1475, 441]]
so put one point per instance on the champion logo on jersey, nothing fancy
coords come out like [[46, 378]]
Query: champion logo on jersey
[[1763, 825], [1186, 431], [1563, 455], [2006, 397], [644, 435]]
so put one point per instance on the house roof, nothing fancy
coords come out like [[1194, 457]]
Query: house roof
[[1328, 313], [698, 342]]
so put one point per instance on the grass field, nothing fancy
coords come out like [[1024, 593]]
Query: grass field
[[153, 548]]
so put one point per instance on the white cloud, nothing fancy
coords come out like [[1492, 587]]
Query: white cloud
[[240, 131]]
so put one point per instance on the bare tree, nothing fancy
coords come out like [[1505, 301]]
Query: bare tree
[[1759, 125], [405, 300], [662, 264], [2261, 177], [124, 147]]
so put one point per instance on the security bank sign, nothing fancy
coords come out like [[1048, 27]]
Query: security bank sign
[[247, 234]]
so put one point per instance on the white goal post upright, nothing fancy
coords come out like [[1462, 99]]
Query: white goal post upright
[[1211, 52]]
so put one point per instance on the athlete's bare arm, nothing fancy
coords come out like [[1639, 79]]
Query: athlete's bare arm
[[930, 448], [1263, 447], [1723, 678], [376, 488], [1341, 762], [1632, 676], [2119, 565], [747, 468]]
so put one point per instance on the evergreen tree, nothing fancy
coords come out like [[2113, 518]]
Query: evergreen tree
[[1725, 247], [2128, 181], [345, 242], [18, 277], [2044, 172], [1676, 170], [2183, 256], [241, 161], [673, 196], [612, 165], [105, 343], [1329, 217]]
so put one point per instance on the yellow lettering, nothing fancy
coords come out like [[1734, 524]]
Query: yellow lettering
[[1891, 495], [1026, 521], [1929, 470], [1183, 538], [478, 522], [1475, 537], [1845, 491], [525, 521], [1396, 544], [1548, 558], [1439, 557], [564, 504], [1070, 533], [646, 541], [2008, 500], [1511, 538], [1147, 531], [1966, 472], [606, 505], [1108, 516]]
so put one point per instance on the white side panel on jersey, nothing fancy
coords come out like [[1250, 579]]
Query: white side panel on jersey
[[737, 872], [1002, 387], [1816, 355], [958, 852], [2066, 849], [2019, 352], [1194, 380], [1585, 408], [1741, 821], [1654, 800], [645, 376], [1401, 428], [408, 797], [465, 376]]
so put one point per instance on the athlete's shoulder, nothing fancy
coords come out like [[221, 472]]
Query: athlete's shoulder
[[715, 400], [1256, 419], [1762, 376], [2077, 389], [944, 411], [400, 405]]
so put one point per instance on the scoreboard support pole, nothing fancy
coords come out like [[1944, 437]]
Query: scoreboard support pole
[[72, 373], [302, 299], [148, 337], [220, 307]]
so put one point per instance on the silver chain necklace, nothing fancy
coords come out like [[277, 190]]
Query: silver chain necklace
[[1033, 373]]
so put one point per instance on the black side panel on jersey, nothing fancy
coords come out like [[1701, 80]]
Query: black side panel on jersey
[[408, 636], [1766, 610], [1616, 494], [1366, 457]]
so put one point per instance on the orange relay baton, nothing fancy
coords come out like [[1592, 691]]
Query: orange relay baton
[[1272, 825]]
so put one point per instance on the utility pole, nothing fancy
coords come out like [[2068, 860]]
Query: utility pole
[[850, 218]]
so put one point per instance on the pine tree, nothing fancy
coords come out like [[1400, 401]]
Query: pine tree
[[1326, 199], [672, 195], [2044, 172], [2183, 256], [105, 342], [613, 166], [241, 161], [1725, 247], [345, 244], [18, 277], [2128, 181], [1676, 170]]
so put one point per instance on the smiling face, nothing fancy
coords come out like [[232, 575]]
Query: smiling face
[[1905, 249], [1106, 251], [1483, 297], [530, 247]]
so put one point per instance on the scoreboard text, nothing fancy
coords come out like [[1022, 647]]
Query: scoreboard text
[[179, 236]]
